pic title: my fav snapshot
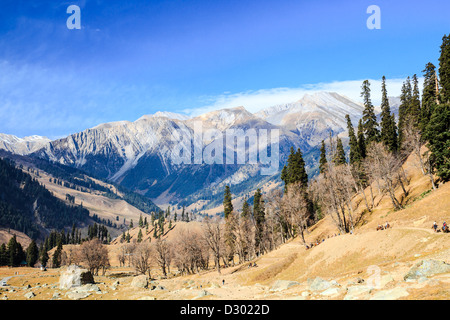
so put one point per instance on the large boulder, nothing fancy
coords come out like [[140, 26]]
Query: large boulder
[[318, 284], [74, 277], [280, 285], [140, 282], [427, 268]]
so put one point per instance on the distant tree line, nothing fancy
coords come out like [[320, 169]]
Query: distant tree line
[[25, 203]]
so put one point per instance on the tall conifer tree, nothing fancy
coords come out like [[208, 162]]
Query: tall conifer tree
[[370, 124], [388, 127]]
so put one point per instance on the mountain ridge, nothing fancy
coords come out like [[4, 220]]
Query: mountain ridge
[[138, 154]]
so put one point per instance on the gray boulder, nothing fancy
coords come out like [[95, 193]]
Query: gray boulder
[[140, 282], [77, 295], [318, 284], [74, 277], [29, 295], [358, 292], [427, 268], [281, 285]]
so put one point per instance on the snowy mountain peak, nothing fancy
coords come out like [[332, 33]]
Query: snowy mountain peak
[[165, 114], [24, 145]]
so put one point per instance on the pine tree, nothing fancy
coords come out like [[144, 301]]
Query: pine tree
[[414, 108], [429, 95], [245, 209], [370, 124], [404, 109], [139, 239], [259, 216], [437, 133], [3, 255], [141, 222], [361, 140], [444, 70], [32, 254], [44, 255], [227, 204], [13, 250], [56, 261], [388, 126], [131, 223], [354, 155], [323, 158], [295, 170], [339, 158]]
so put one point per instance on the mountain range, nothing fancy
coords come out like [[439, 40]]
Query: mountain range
[[138, 155]]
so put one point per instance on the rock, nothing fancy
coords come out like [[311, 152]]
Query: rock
[[140, 282], [422, 279], [427, 268], [392, 294], [88, 288], [335, 283], [5, 298], [203, 293], [386, 279], [330, 292], [29, 295], [74, 276], [281, 285], [56, 295], [306, 294], [77, 295], [27, 287], [358, 293], [318, 284], [160, 288]]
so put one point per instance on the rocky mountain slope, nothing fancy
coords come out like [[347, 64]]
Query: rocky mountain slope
[[22, 146], [140, 155]]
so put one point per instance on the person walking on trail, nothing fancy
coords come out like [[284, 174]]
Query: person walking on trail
[[435, 226]]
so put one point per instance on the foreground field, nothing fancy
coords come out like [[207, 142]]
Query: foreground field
[[407, 261]]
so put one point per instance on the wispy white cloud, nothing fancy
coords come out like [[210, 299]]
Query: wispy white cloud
[[260, 99]]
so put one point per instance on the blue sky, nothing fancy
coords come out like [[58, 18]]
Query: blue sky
[[138, 57]]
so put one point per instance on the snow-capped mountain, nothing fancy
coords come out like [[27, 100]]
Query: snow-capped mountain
[[140, 155], [313, 116], [22, 146]]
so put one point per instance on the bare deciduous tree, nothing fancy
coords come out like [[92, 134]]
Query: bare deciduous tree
[[213, 235], [294, 209], [385, 166], [190, 252], [414, 142], [95, 255], [142, 258], [163, 251]]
